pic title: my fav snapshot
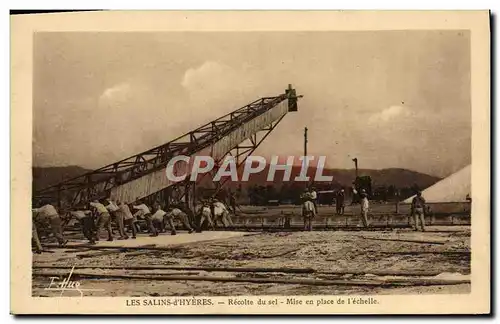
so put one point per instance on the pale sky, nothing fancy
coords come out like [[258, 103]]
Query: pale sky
[[393, 99]]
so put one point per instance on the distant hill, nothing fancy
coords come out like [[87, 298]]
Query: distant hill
[[385, 177], [344, 177], [47, 176]]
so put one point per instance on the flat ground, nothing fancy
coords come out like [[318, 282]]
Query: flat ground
[[326, 251], [381, 215], [376, 209]]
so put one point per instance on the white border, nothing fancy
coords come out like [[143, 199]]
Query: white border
[[246, 4]]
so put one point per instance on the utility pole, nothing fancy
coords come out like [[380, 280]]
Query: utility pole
[[356, 166], [305, 141], [305, 152], [355, 184]]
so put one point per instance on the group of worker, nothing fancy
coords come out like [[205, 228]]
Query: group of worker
[[312, 195], [418, 207], [99, 216]]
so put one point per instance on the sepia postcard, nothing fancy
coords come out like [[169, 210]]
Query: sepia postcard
[[250, 162]]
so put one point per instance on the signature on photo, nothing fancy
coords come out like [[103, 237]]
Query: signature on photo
[[67, 285]]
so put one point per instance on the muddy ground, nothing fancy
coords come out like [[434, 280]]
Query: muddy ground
[[322, 251]]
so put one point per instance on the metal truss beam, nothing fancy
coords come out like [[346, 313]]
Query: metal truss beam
[[98, 183], [240, 153]]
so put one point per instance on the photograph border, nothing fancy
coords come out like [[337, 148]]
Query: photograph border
[[22, 29]]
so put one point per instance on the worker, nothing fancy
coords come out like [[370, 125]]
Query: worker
[[84, 217], [365, 206], [86, 222], [222, 213], [34, 236], [418, 210], [112, 208], [355, 196], [178, 214], [117, 214], [157, 218], [48, 213], [305, 196], [128, 219], [103, 219], [144, 211], [314, 199], [202, 216], [232, 202], [212, 201], [184, 207], [340, 202]]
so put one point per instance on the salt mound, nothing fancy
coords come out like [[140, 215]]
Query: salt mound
[[451, 276], [441, 276], [451, 189]]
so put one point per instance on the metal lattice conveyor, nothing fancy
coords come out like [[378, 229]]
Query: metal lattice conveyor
[[143, 175]]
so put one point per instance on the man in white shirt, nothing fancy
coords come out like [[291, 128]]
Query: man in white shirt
[[365, 206], [111, 206], [314, 199], [128, 219], [158, 218], [48, 213], [201, 216], [116, 213], [177, 213], [144, 211], [103, 219], [113, 209]]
